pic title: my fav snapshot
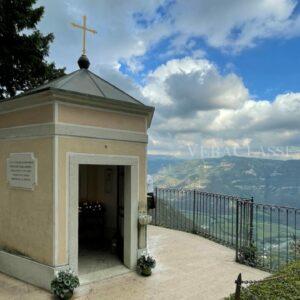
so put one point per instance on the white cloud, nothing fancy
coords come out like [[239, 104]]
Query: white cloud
[[185, 86], [118, 38], [262, 116], [215, 110], [184, 129], [127, 30], [235, 24], [195, 102]]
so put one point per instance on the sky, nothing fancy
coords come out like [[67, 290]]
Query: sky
[[223, 75]]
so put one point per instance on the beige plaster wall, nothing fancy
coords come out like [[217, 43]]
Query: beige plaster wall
[[34, 115], [104, 119], [26, 217], [92, 146]]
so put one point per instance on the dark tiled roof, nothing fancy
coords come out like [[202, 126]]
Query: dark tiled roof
[[85, 82]]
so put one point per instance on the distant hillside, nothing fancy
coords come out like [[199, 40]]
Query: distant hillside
[[158, 162], [268, 181]]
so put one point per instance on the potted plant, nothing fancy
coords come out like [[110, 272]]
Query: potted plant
[[145, 264], [64, 283]]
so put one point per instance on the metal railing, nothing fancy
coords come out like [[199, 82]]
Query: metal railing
[[263, 235]]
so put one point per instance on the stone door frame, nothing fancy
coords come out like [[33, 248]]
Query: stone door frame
[[131, 198]]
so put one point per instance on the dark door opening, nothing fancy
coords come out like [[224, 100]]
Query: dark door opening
[[101, 217]]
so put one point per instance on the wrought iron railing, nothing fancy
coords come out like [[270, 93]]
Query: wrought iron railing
[[263, 235]]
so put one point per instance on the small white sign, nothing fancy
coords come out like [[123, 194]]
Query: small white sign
[[22, 170]]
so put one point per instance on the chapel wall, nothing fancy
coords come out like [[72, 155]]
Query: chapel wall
[[26, 216], [34, 115], [80, 115], [92, 146]]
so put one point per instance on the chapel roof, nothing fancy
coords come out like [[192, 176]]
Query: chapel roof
[[83, 86], [86, 82]]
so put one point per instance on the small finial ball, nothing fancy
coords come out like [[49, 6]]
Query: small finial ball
[[83, 62]]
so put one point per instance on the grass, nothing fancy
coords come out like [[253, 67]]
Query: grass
[[285, 284]]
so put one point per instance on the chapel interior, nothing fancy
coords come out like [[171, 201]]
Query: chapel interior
[[101, 217]]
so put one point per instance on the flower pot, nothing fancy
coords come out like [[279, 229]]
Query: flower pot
[[68, 295], [146, 271]]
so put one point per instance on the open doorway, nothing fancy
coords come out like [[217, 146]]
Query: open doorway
[[100, 218], [130, 165]]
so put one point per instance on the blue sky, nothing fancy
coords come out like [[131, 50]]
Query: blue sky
[[271, 68], [221, 74]]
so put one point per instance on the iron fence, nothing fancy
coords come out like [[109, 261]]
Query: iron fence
[[263, 235]]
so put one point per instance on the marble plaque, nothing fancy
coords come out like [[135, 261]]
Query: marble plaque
[[22, 170]]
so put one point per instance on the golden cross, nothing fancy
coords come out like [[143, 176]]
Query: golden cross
[[84, 29]]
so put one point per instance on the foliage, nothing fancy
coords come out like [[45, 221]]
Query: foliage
[[248, 255], [146, 261], [64, 284], [23, 48], [285, 284]]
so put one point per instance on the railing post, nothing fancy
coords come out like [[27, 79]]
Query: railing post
[[237, 231], [238, 282], [156, 205], [251, 221], [194, 210]]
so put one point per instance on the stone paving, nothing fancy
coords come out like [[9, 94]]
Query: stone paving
[[188, 267]]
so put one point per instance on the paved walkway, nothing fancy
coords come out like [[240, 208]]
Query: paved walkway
[[188, 267]]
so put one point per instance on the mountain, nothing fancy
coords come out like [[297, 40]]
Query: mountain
[[158, 162], [268, 181]]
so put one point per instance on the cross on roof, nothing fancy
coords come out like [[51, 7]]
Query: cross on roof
[[84, 29]]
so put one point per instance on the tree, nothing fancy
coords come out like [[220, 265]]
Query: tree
[[23, 48]]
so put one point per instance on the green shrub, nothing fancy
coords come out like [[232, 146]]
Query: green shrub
[[146, 261], [64, 283], [284, 285], [248, 255]]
